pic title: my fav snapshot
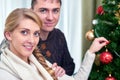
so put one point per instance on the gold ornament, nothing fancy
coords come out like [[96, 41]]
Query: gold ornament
[[98, 70], [97, 60], [90, 35], [117, 14], [119, 5]]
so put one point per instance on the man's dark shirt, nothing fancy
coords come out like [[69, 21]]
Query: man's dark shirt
[[55, 49]]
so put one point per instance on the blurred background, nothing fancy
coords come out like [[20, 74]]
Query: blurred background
[[75, 20]]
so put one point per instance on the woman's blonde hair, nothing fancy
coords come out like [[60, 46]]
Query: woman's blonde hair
[[18, 15], [42, 61]]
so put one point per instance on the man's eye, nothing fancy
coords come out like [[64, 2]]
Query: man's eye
[[56, 11], [43, 10], [24, 32], [37, 34]]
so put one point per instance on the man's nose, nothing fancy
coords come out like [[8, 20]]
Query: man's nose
[[50, 16]]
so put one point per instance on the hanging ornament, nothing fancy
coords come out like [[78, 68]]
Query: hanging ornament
[[119, 5], [106, 57], [110, 77], [100, 10], [90, 35], [117, 14], [97, 60], [94, 22], [112, 2]]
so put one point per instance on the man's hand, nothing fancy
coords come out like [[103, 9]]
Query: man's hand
[[59, 71]]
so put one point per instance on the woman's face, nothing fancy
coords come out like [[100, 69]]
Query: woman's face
[[24, 38]]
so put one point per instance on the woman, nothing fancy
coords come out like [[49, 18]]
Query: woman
[[21, 60]]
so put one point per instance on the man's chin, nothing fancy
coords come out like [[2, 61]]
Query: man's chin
[[47, 30], [50, 30]]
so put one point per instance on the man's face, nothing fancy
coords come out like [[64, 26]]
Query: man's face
[[48, 11]]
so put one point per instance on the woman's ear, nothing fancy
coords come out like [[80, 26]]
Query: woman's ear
[[8, 36]]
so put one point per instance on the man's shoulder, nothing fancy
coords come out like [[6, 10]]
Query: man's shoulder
[[59, 35], [58, 32]]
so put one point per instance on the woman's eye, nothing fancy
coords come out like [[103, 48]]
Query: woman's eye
[[24, 32], [37, 34]]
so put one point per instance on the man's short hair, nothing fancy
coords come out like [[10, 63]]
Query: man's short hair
[[33, 2]]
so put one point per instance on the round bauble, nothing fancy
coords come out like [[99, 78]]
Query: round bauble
[[110, 78], [106, 57], [95, 22], [90, 35], [97, 59]]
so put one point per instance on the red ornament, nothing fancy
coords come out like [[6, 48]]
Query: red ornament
[[110, 78], [100, 10], [106, 57]]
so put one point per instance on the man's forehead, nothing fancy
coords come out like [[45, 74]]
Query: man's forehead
[[51, 1], [48, 4]]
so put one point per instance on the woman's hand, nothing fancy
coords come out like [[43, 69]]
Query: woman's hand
[[97, 44], [59, 71]]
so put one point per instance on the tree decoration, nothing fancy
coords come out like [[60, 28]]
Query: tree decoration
[[117, 14], [110, 77], [97, 59], [90, 35], [100, 10], [106, 57], [95, 22]]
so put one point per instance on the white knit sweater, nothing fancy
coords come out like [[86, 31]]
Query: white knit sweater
[[13, 68]]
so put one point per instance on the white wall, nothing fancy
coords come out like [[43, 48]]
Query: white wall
[[71, 25], [6, 7]]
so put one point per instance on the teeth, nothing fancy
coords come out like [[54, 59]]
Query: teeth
[[28, 46]]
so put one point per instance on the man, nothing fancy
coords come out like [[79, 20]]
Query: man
[[52, 42]]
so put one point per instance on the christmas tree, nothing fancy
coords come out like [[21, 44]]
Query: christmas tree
[[107, 24]]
